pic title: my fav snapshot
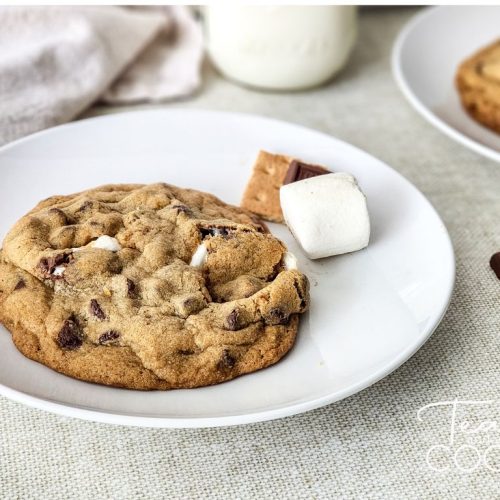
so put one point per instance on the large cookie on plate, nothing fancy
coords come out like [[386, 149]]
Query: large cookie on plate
[[148, 287], [478, 83]]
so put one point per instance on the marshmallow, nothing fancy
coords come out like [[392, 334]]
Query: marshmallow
[[290, 261], [199, 257], [58, 271], [107, 243], [326, 214]]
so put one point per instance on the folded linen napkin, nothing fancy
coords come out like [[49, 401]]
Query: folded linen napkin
[[56, 61]]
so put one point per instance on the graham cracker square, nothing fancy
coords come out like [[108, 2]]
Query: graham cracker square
[[262, 194]]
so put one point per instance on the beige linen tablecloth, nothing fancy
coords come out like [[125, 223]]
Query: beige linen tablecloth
[[371, 445]]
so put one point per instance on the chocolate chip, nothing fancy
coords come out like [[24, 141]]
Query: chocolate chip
[[20, 284], [277, 268], [183, 208], [216, 231], [44, 265], [303, 302], [48, 264], [194, 304], [189, 303], [96, 310], [226, 360], [63, 218], [277, 316], [495, 264], [62, 259], [70, 337], [131, 288], [109, 337], [86, 205], [232, 321], [298, 171], [185, 352]]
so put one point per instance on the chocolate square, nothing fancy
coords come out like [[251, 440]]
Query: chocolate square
[[298, 171]]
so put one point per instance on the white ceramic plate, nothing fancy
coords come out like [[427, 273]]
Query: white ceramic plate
[[425, 58], [370, 311]]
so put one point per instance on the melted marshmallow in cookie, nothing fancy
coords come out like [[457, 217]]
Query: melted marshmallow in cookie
[[58, 270], [290, 261], [106, 242], [200, 256]]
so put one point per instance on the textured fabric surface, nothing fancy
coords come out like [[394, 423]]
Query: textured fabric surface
[[56, 61], [370, 445]]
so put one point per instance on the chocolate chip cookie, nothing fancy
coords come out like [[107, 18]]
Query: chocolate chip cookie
[[478, 83], [148, 287]]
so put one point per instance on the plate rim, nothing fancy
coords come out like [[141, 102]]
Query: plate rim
[[118, 418], [405, 87]]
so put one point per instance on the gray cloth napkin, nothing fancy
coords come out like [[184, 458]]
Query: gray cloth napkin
[[56, 61]]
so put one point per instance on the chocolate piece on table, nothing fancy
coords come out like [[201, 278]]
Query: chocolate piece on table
[[495, 264], [298, 171]]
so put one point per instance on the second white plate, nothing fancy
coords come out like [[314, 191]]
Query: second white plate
[[425, 58], [370, 310]]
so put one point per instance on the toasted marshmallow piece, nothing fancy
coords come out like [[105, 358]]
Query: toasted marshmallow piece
[[200, 256], [326, 214], [107, 243]]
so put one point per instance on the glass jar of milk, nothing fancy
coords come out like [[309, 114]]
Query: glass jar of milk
[[280, 47]]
